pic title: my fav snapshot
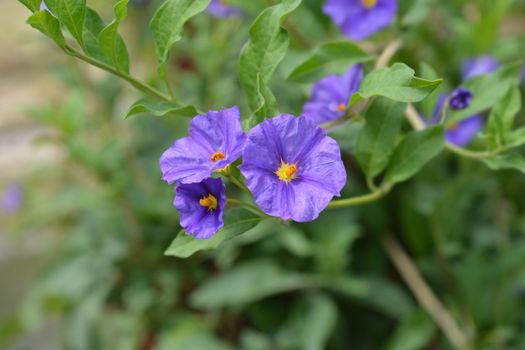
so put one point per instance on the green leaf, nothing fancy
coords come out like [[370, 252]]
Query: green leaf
[[168, 23], [329, 58], [244, 284], [501, 119], [414, 152], [506, 161], [71, 13], [111, 42], [236, 221], [516, 138], [160, 109], [414, 333], [376, 141], [93, 25], [261, 56], [487, 90], [48, 25], [397, 83], [32, 5], [310, 325]]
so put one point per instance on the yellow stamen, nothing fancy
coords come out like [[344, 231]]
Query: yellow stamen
[[341, 107], [209, 202], [369, 4], [215, 157], [286, 172]]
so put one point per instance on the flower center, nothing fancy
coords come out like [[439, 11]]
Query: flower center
[[209, 202], [341, 107], [215, 157], [369, 4], [286, 172]]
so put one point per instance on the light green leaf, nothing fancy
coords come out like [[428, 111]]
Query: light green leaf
[[111, 42], [310, 325], [168, 23], [506, 161], [48, 25], [414, 333], [329, 58], [376, 141], [414, 152], [32, 5], [160, 109], [516, 138], [71, 13], [261, 56], [397, 83], [244, 284], [501, 119], [236, 221]]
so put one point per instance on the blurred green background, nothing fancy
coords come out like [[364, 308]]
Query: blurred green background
[[81, 260]]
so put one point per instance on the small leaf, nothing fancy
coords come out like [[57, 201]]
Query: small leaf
[[506, 161], [329, 58], [244, 284], [397, 83], [414, 152], [160, 109], [168, 23], [111, 42], [261, 56], [48, 25], [376, 141], [71, 13], [516, 138], [236, 221], [415, 332], [501, 119], [93, 25]]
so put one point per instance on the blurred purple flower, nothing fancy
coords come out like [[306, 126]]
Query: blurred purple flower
[[292, 168], [201, 207], [358, 19], [215, 140], [331, 95], [43, 6], [221, 9], [12, 199], [460, 98], [478, 66]]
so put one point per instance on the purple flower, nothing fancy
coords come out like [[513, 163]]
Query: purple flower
[[43, 6], [460, 98], [12, 199], [220, 9], [215, 140], [461, 133], [201, 207], [292, 168], [358, 19], [478, 66], [330, 95]]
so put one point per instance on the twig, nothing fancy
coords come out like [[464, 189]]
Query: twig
[[387, 54]]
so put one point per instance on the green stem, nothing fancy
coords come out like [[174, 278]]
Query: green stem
[[135, 83], [470, 154], [239, 184], [367, 198], [248, 206]]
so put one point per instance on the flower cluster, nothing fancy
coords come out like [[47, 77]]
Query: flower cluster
[[292, 168]]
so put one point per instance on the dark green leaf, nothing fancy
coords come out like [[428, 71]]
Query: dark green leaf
[[168, 23], [160, 109], [71, 13], [261, 56], [414, 333], [396, 83], [236, 221], [49, 25], [501, 119], [376, 141], [414, 152], [111, 42], [245, 284], [329, 58], [93, 25]]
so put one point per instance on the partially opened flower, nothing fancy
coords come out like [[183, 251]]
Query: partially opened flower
[[292, 168], [330, 96], [358, 19], [214, 141], [201, 207], [460, 98], [221, 9], [478, 66]]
